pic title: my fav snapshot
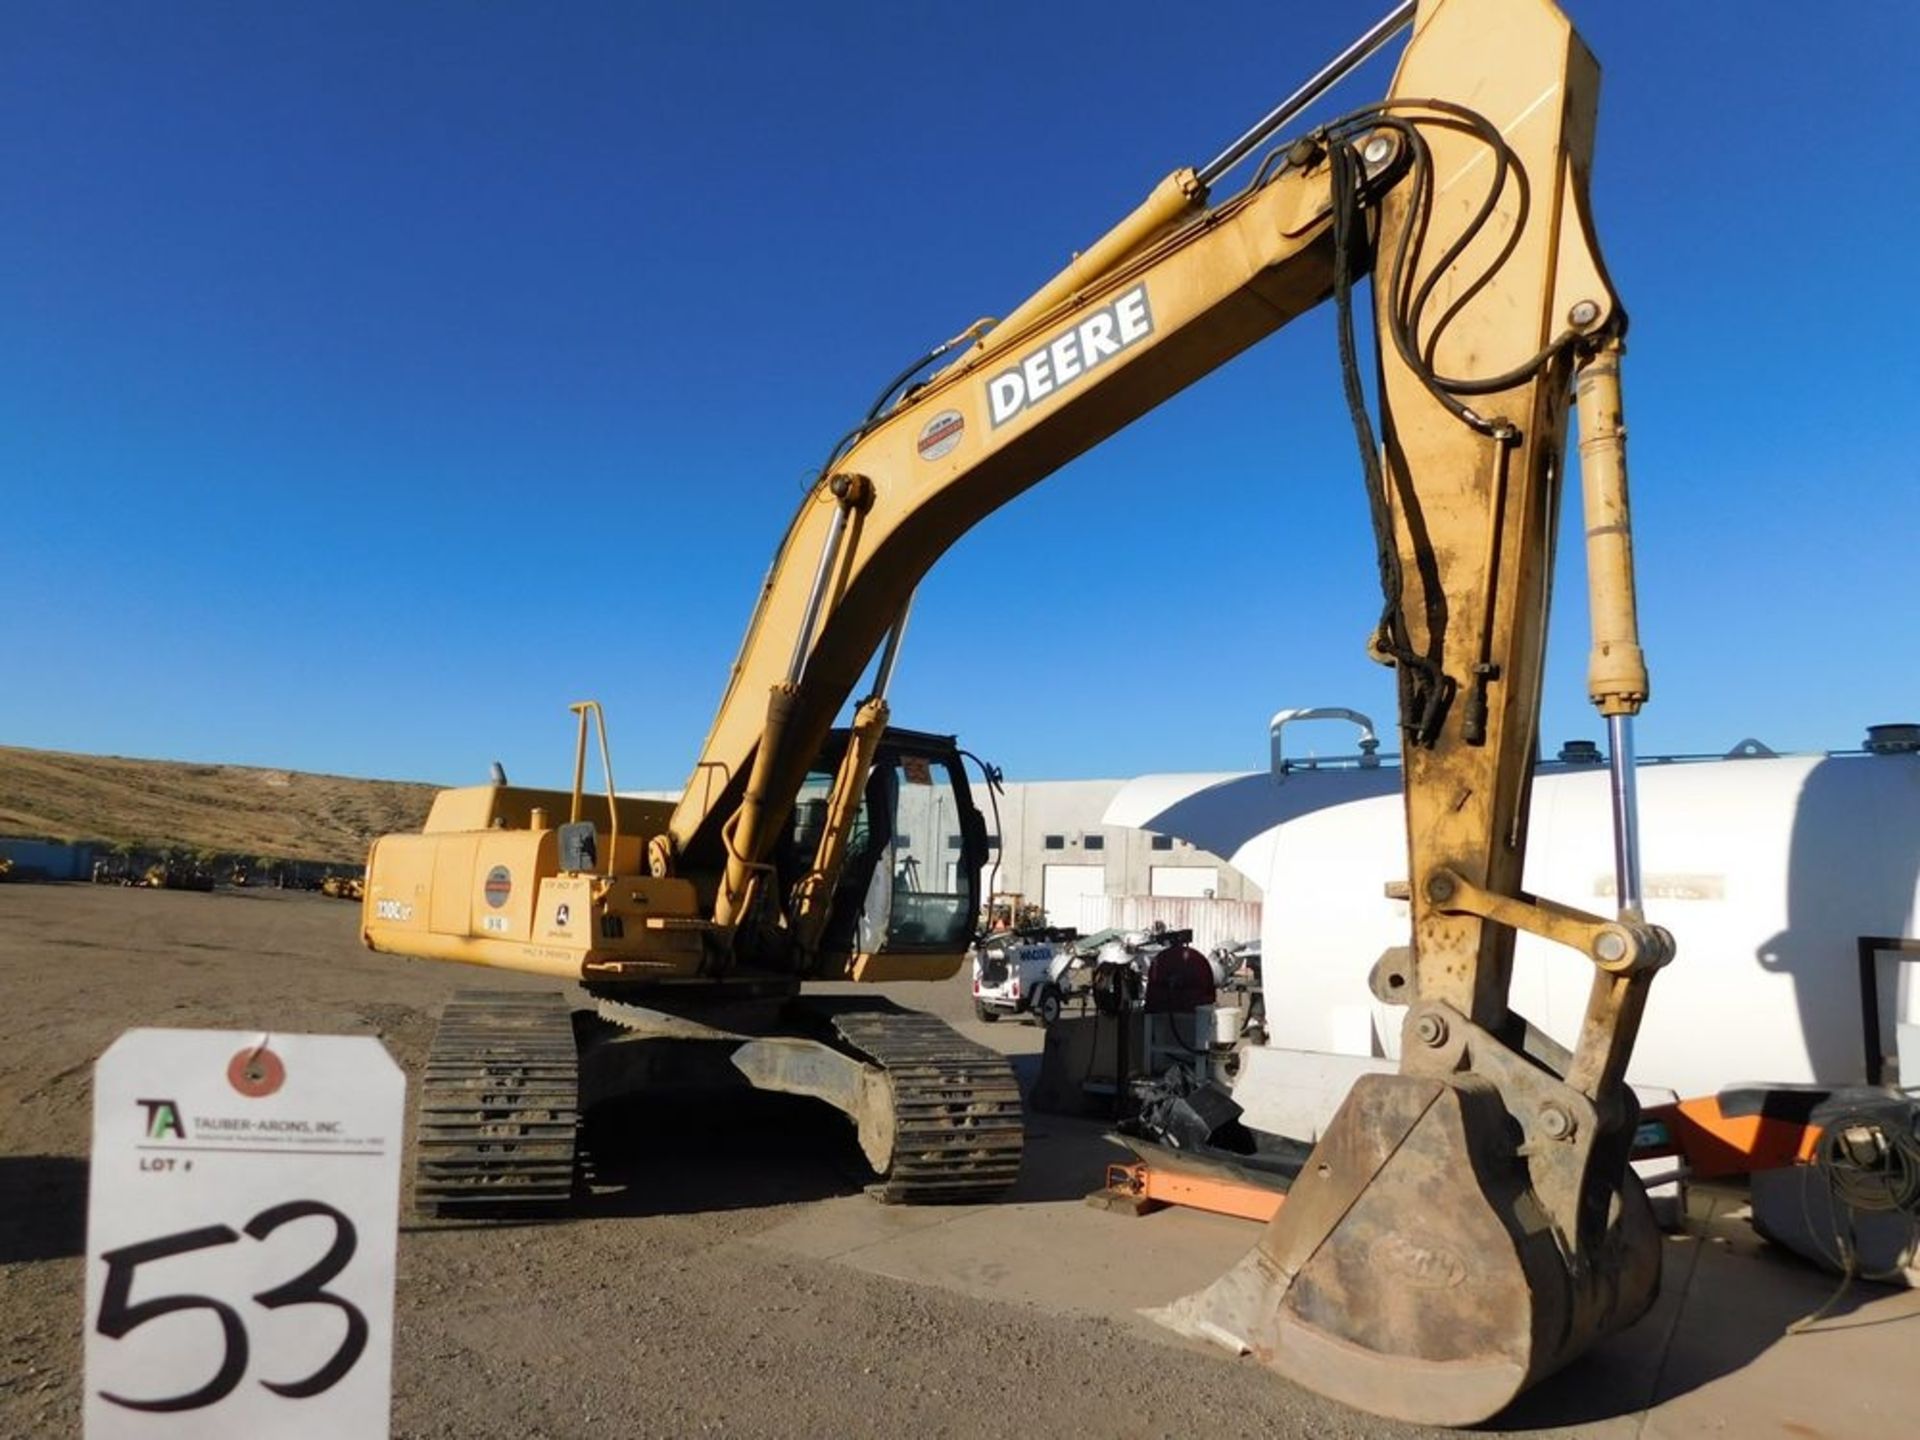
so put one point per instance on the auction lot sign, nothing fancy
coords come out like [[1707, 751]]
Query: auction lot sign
[[241, 1224]]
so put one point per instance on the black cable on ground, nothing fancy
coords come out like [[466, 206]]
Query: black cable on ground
[[1890, 1185]]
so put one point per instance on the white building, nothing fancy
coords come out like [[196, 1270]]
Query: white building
[[1055, 850]]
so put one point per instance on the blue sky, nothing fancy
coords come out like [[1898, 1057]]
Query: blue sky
[[378, 379]]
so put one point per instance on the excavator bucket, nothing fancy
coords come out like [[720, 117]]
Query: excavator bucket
[[1470, 1224], [1413, 1273]]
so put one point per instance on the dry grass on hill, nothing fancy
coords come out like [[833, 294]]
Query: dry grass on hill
[[234, 809]]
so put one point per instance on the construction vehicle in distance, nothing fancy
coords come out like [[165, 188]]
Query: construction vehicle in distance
[[343, 887], [1464, 1226], [176, 874]]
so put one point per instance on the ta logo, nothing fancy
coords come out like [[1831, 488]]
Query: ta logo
[[163, 1120]]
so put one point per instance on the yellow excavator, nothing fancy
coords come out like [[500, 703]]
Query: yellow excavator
[[1464, 1226]]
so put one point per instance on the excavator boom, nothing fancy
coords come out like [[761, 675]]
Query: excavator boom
[[1466, 1225]]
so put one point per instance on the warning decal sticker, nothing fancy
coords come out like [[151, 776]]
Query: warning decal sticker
[[499, 886], [940, 434]]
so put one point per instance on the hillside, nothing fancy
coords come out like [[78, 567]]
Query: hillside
[[234, 809]]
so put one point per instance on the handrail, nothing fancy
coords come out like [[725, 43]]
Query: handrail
[[586, 709], [1367, 759]]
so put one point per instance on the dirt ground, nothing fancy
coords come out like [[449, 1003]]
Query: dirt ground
[[651, 1313], [727, 1277]]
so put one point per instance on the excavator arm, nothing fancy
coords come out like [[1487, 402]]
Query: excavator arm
[[1477, 211], [1426, 1265], [1469, 1224]]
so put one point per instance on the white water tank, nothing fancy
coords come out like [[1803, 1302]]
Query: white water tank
[[1773, 873]]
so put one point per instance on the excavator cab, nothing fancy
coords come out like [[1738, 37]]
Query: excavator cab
[[497, 877], [907, 899]]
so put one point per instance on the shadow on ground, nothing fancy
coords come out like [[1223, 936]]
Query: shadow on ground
[[43, 1207], [687, 1153], [693, 1151], [743, 1150], [1722, 1306], [1066, 1158]]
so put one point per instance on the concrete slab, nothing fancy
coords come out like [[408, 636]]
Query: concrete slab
[[1058, 1256], [838, 1229], [1712, 1357], [1733, 1366], [1043, 1246]]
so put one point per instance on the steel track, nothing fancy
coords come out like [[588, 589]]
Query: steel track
[[499, 1105], [958, 1125]]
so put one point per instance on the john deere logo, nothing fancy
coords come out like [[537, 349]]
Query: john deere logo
[[1420, 1260], [1066, 358], [163, 1120], [499, 886]]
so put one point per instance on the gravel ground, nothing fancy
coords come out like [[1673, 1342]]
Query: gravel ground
[[649, 1314]]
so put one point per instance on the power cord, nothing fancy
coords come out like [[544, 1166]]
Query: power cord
[[1871, 1165]]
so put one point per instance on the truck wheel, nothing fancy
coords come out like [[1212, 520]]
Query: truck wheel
[[1046, 1005], [985, 1012]]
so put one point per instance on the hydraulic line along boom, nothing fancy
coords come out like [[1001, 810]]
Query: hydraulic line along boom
[[1464, 1226]]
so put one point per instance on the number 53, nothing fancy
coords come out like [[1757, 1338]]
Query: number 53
[[120, 1315]]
